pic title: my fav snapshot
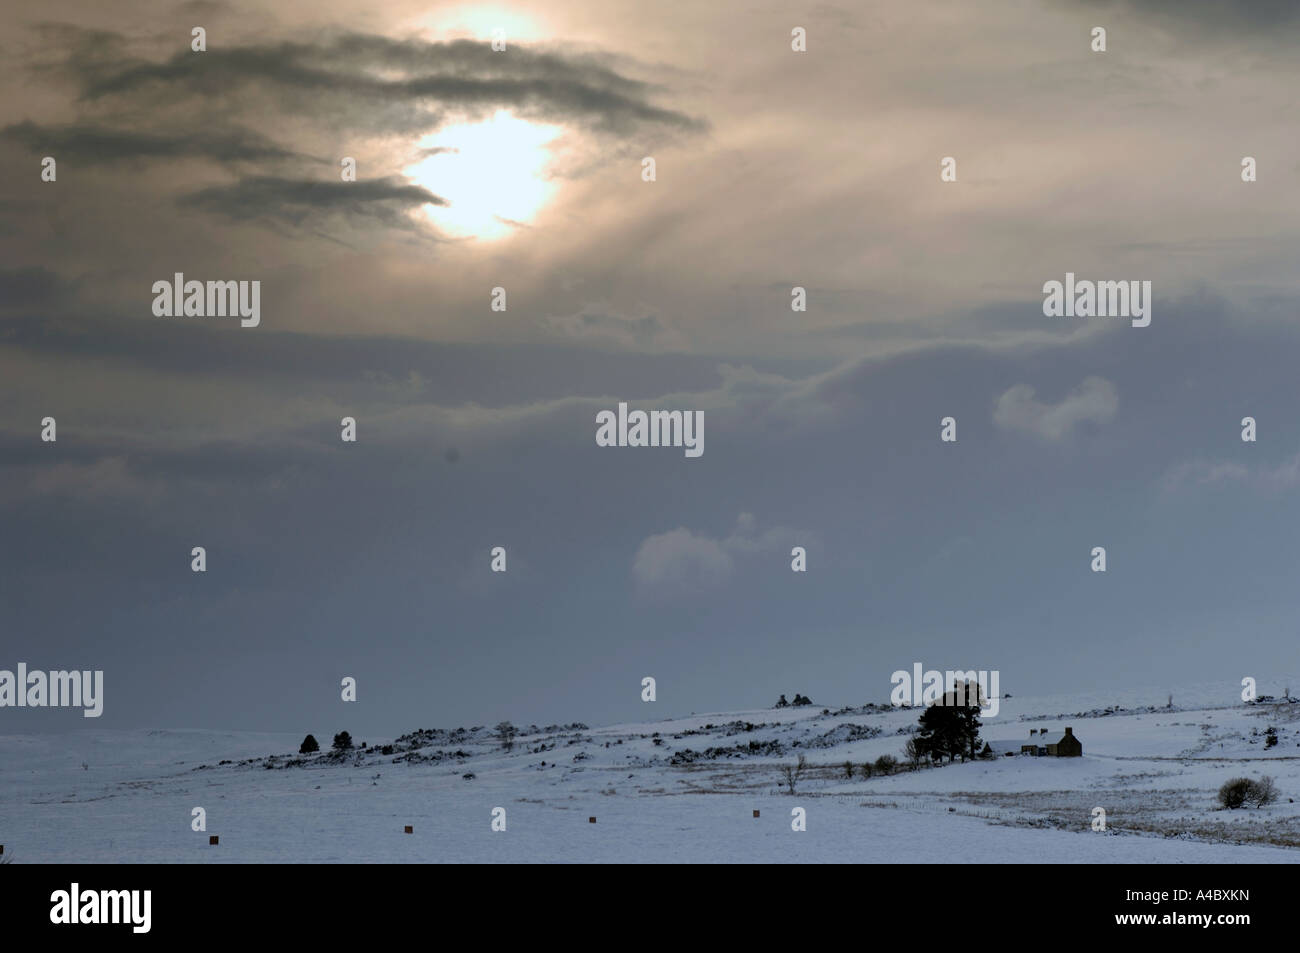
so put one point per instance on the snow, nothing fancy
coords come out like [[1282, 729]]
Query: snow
[[1154, 771]]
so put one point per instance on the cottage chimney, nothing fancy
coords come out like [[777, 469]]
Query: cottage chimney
[[1069, 732]]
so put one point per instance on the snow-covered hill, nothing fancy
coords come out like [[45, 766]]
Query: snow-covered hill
[[677, 790]]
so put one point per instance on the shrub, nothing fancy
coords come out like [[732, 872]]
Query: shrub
[[886, 763], [309, 745], [1233, 793], [848, 770], [342, 741], [1238, 792], [792, 773]]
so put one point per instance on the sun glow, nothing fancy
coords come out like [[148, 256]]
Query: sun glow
[[481, 22], [492, 173]]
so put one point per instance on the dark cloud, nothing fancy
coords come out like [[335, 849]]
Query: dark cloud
[[343, 76], [31, 288], [610, 329], [232, 104], [1196, 15], [298, 201], [68, 48], [488, 375], [204, 7], [104, 144]]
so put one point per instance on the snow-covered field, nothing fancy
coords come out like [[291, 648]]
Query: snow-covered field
[[677, 790]]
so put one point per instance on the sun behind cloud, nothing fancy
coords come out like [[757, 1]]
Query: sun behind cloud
[[478, 21], [492, 174]]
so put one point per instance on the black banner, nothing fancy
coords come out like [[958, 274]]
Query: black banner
[[148, 903]]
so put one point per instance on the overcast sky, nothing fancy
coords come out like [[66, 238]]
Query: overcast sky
[[476, 428]]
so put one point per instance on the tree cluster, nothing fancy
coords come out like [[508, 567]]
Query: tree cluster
[[798, 700]]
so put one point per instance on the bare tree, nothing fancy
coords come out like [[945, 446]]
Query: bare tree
[[1265, 792], [914, 751], [793, 772], [506, 735]]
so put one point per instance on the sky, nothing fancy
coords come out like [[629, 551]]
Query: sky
[[523, 169]]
